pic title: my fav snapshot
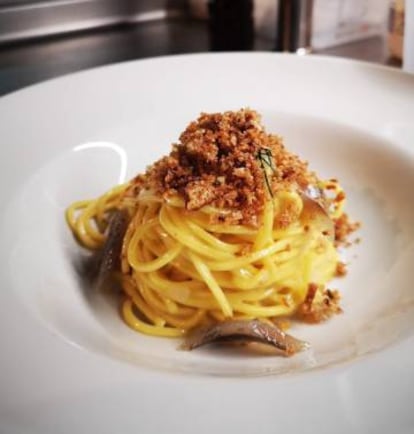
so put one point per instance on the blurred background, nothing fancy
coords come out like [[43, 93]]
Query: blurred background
[[41, 39]]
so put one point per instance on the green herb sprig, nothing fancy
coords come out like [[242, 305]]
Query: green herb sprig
[[264, 155]]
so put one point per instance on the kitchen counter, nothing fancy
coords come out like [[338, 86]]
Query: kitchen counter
[[30, 62]]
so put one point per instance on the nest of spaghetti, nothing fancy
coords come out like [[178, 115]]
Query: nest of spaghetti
[[230, 227]]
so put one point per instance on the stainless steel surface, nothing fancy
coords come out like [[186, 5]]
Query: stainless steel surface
[[29, 19], [30, 62], [294, 26]]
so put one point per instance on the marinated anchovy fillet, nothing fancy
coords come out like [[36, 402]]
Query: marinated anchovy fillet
[[247, 331], [108, 258]]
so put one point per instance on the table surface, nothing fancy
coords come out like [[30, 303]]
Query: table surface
[[26, 63]]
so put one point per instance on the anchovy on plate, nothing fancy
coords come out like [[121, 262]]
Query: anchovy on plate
[[245, 331]]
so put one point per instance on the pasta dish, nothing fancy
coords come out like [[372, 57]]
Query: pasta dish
[[230, 226]]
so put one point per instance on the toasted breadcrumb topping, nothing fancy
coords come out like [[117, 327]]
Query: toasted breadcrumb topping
[[319, 308], [341, 269], [344, 227], [219, 161]]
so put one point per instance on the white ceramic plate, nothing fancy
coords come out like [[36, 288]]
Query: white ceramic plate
[[68, 363]]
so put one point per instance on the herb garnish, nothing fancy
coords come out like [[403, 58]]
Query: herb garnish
[[264, 155]]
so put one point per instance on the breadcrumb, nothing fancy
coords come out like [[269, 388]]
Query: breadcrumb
[[318, 306], [341, 269], [343, 228], [218, 162]]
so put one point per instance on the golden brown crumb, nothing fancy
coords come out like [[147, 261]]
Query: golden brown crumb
[[341, 269], [340, 197], [316, 309], [288, 213], [344, 227], [229, 161]]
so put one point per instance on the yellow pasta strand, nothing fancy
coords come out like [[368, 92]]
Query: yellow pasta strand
[[179, 271]]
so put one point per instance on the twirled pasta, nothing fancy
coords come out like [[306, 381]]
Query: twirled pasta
[[229, 225], [178, 270]]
